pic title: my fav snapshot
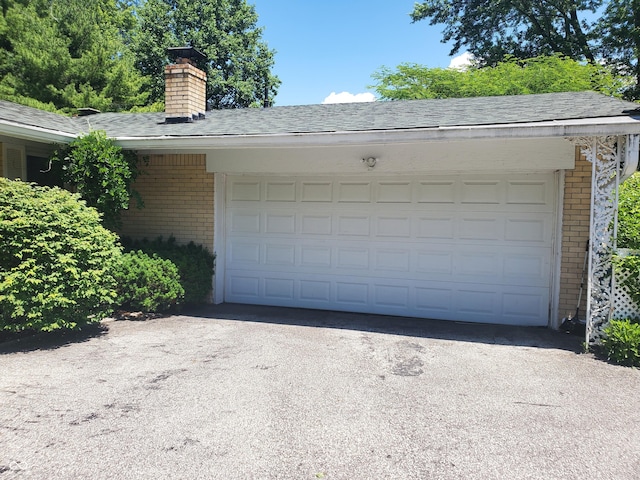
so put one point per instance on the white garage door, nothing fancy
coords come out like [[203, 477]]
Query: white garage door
[[471, 248]]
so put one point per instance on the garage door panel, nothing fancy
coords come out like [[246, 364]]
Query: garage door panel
[[481, 264], [436, 192], [436, 262], [434, 301], [244, 254], [279, 288], [440, 227], [393, 226], [473, 249], [242, 222], [352, 292], [356, 257], [316, 291], [391, 296], [487, 192], [280, 191], [354, 192], [280, 223], [392, 260], [523, 307], [480, 228], [533, 268], [523, 229], [393, 192], [313, 224], [244, 191], [529, 192], [244, 287], [475, 301], [280, 255], [351, 225], [316, 191], [316, 256]]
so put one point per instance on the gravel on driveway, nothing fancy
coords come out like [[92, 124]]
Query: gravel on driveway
[[243, 392]]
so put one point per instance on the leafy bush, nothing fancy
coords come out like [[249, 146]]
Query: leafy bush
[[55, 260], [621, 342], [194, 262], [629, 213], [147, 283], [101, 172]]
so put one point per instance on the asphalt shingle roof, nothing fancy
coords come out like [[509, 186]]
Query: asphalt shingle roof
[[13, 112], [353, 117]]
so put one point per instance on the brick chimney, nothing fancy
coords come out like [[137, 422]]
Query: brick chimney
[[185, 96]]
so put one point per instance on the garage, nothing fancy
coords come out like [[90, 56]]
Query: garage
[[470, 247]]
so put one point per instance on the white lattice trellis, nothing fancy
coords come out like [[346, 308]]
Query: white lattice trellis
[[623, 306]]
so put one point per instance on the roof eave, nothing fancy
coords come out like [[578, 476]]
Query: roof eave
[[33, 133], [622, 125]]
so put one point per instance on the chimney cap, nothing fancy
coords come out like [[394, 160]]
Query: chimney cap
[[185, 52]]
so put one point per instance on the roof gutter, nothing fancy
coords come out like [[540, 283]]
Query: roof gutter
[[565, 128]]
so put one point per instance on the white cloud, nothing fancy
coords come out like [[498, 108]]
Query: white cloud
[[462, 61], [346, 97]]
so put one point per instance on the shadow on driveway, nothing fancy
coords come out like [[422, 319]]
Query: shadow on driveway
[[50, 340], [540, 337]]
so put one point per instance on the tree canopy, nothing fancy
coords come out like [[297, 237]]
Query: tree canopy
[[61, 55], [65, 54], [513, 76], [238, 63], [605, 31]]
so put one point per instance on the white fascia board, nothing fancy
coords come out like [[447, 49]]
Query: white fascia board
[[563, 128], [36, 134]]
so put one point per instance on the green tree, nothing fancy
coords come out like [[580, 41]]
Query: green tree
[[68, 54], [491, 29], [101, 172], [239, 63], [619, 31], [510, 77]]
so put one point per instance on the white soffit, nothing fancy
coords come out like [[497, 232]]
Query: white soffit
[[497, 155]]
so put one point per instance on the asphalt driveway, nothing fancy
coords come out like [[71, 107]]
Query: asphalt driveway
[[238, 392]]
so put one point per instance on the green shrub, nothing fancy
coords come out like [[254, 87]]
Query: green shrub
[[621, 342], [55, 260], [101, 172], [629, 213], [147, 283], [194, 262]]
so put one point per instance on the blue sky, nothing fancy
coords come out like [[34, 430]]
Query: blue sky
[[334, 46]]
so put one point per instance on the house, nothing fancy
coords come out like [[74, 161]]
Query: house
[[475, 209]]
